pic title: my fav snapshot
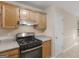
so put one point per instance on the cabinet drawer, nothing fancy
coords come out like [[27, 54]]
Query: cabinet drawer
[[10, 52]]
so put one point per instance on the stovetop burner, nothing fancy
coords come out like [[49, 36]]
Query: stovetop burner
[[28, 42]]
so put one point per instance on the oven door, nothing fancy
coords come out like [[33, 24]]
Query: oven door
[[35, 52]]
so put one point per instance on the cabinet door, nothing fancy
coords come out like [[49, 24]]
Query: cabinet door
[[11, 53], [32, 15], [10, 16], [0, 14], [0, 8], [46, 49], [42, 22], [24, 14]]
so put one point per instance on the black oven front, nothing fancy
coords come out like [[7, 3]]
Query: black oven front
[[35, 52]]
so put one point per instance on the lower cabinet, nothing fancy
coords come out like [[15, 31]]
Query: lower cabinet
[[14, 53], [14, 56], [46, 49]]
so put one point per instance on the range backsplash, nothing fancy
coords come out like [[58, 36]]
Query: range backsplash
[[13, 32]]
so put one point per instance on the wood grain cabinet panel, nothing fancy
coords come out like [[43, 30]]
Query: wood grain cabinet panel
[[0, 8], [10, 16], [24, 14], [0, 14], [41, 22], [46, 49], [40, 18], [32, 15], [14, 56], [10, 53]]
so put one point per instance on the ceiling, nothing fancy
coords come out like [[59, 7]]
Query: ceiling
[[71, 6], [38, 4]]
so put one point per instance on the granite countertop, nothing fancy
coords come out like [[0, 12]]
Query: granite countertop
[[8, 44], [43, 37]]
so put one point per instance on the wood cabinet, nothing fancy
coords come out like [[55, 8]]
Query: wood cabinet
[[27, 14], [24, 14], [42, 22], [10, 16], [0, 8], [15, 56], [46, 49], [0, 14], [38, 17], [14, 53], [33, 15]]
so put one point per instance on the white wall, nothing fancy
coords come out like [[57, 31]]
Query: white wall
[[50, 25], [70, 26], [52, 20], [70, 29]]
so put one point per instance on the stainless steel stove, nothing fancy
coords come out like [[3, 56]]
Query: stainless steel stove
[[30, 47]]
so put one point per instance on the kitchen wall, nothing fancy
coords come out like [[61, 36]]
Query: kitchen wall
[[12, 32], [70, 30], [50, 25], [70, 27]]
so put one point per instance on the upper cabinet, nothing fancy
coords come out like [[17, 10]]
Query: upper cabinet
[[32, 15], [0, 8], [38, 17], [10, 16], [42, 22], [24, 14], [41, 19], [0, 14]]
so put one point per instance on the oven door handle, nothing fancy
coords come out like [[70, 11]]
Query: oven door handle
[[31, 49]]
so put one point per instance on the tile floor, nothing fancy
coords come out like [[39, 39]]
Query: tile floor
[[71, 52]]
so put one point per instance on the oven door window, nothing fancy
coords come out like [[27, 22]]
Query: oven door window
[[36, 53]]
